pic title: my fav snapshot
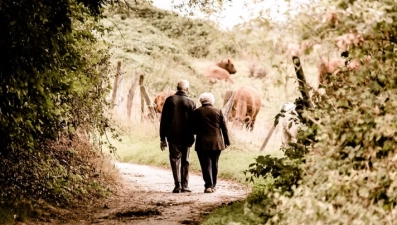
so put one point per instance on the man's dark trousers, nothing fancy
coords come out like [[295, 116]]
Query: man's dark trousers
[[179, 159], [209, 166]]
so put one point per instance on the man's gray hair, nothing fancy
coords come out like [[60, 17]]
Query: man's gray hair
[[207, 98], [183, 85]]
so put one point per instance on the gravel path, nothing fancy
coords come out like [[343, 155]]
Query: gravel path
[[145, 198]]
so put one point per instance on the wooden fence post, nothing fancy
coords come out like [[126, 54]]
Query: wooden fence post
[[268, 137], [131, 93], [116, 95], [141, 77], [145, 98], [227, 103]]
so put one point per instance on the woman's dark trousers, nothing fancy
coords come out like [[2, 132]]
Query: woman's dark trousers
[[209, 166]]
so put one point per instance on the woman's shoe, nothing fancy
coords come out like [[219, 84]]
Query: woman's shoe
[[186, 190], [208, 190]]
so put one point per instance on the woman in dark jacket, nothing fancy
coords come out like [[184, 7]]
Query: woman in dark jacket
[[211, 138]]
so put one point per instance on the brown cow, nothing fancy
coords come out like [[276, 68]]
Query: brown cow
[[297, 49], [246, 105], [160, 99], [328, 66], [220, 71], [349, 40]]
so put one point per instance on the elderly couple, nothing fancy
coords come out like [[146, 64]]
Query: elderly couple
[[180, 121]]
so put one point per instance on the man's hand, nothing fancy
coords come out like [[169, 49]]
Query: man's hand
[[163, 145]]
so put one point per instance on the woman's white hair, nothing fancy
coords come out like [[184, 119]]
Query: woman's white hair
[[206, 98]]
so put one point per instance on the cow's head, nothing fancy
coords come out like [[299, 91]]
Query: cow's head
[[353, 64], [227, 65], [159, 103], [240, 120], [160, 99]]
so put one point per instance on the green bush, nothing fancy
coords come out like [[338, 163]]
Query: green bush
[[54, 81], [350, 172]]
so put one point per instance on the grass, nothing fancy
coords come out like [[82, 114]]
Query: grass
[[140, 144]]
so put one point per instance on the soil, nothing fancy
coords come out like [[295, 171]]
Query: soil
[[145, 197]]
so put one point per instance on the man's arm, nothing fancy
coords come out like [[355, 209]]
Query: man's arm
[[192, 123], [163, 145], [164, 120], [224, 130]]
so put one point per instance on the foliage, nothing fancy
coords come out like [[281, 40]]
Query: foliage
[[241, 212], [350, 170], [53, 85], [39, 73], [285, 174]]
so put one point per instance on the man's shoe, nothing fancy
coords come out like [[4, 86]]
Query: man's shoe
[[177, 189], [186, 190], [213, 189], [208, 190]]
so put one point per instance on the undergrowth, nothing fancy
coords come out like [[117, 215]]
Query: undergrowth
[[64, 173]]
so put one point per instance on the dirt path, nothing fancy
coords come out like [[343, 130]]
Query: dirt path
[[145, 198]]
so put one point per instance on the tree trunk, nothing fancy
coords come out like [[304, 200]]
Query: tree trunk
[[145, 98]]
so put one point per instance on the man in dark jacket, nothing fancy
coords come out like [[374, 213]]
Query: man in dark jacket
[[211, 138], [176, 129]]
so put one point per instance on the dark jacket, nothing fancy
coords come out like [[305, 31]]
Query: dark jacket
[[210, 129], [176, 119]]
